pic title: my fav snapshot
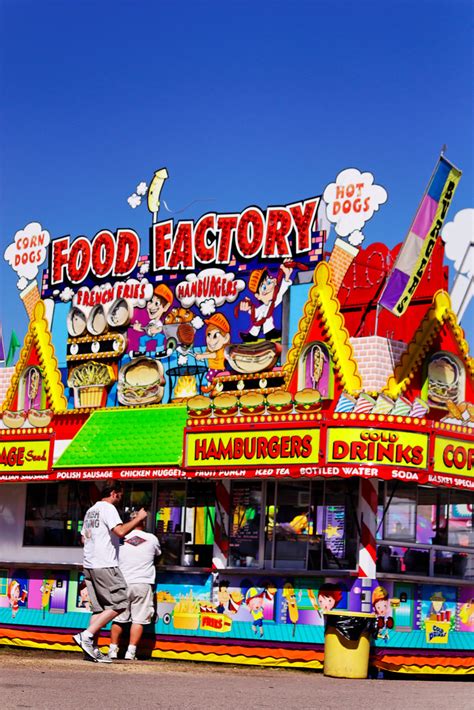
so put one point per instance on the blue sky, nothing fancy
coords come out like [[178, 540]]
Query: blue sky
[[244, 102]]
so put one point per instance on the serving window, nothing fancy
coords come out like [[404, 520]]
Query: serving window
[[425, 531], [311, 525]]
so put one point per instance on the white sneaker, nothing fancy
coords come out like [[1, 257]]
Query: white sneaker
[[86, 644], [113, 653], [101, 657], [130, 656]]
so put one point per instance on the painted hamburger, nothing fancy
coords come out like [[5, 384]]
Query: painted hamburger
[[252, 403], [199, 406], [249, 358], [307, 400], [279, 402], [141, 382], [226, 405]]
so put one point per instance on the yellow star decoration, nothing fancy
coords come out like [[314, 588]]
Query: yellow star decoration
[[332, 531]]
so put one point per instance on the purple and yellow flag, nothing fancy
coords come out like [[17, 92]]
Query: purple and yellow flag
[[419, 243]]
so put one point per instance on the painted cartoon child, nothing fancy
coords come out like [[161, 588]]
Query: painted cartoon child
[[381, 605], [329, 596], [156, 308], [254, 600], [217, 339], [16, 596], [269, 291]]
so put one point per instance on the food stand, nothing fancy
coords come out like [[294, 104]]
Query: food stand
[[299, 452]]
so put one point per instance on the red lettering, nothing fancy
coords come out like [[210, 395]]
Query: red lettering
[[59, 257], [79, 259], [204, 252], [278, 228], [128, 251], [226, 224], [182, 255], [303, 223], [103, 251], [161, 243], [250, 232]]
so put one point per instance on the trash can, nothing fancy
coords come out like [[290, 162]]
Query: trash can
[[347, 643]]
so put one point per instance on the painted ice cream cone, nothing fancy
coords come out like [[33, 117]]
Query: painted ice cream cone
[[30, 297], [342, 256]]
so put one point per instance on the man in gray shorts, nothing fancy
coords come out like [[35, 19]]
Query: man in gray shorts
[[105, 583], [137, 558]]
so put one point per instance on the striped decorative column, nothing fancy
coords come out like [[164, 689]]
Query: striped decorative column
[[220, 551], [368, 499]]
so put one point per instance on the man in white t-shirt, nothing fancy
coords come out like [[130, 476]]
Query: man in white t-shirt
[[137, 558], [106, 586]]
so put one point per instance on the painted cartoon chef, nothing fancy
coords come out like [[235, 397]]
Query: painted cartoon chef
[[269, 291]]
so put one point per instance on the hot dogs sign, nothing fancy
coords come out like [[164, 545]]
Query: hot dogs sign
[[205, 303]]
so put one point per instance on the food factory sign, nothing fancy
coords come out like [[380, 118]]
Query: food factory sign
[[260, 448], [205, 303], [380, 447], [25, 456], [283, 232]]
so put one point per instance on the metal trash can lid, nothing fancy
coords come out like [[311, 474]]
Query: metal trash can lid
[[335, 612]]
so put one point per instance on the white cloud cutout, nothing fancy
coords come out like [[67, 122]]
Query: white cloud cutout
[[142, 188], [67, 294], [22, 283], [208, 307], [28, 250], [208, 290], [352, 200], [197, 322], [134, 200], [145, 267], [457, 236], [356, 238]]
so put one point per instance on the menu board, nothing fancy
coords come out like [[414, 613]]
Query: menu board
[[245, 519]]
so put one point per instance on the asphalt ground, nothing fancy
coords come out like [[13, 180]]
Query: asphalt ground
[[64, 681]]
